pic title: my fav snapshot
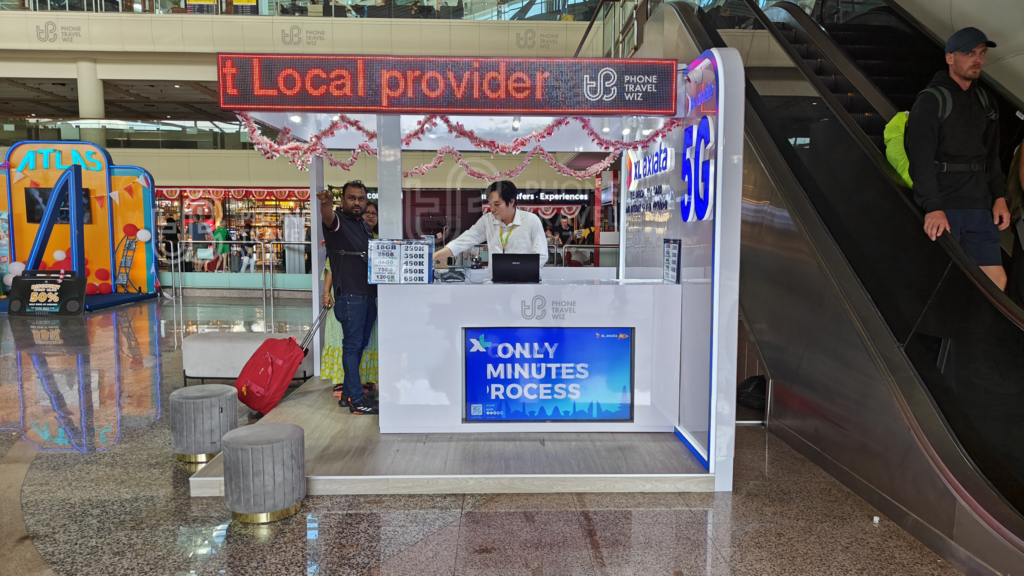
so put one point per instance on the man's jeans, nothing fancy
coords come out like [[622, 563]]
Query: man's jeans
[[356, 313]]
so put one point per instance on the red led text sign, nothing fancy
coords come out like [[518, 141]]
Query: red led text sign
[[535, 86]]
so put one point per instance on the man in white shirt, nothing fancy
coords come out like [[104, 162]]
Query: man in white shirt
[[507, 230]]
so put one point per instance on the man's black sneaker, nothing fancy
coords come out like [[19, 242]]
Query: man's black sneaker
[[343, 403], [364, 408]]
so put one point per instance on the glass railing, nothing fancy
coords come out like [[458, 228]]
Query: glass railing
[[152, 134], [532, 10]]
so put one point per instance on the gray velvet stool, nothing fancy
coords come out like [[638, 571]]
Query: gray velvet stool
[[200, 416], [264, 472]]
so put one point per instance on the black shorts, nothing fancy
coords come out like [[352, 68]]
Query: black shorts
[[977, 235]]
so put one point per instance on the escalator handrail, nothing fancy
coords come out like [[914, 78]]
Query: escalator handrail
[[880, 102], [925, 420], [916, 24], [996, 296]]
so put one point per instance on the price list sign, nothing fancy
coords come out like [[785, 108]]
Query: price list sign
[[670, 266], [401, 261], [415, 266]]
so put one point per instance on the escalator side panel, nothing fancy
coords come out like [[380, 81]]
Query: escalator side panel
[[826, 388]]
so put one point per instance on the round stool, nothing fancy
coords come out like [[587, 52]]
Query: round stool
[[200, 416], [264, 472]]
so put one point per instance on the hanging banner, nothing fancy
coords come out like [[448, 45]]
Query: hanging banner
[[387, 84]]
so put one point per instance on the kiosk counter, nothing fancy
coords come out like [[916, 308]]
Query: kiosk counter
[[561, 355]]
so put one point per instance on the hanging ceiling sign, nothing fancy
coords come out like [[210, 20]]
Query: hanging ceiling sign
[[505, 86]]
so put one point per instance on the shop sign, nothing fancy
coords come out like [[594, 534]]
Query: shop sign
[[700, 149], [548, 374], [645, 167], [387, 84], [550, 197]]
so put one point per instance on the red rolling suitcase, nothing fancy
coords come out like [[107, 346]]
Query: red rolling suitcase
[[266, 375]]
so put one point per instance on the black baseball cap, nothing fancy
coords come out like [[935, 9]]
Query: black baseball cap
[[965, 39]]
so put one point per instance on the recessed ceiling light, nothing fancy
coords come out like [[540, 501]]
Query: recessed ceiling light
[[604, 125], [296, 118], [177, 86], [168, 116]]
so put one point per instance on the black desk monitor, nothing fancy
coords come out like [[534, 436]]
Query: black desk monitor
[[515, 268]]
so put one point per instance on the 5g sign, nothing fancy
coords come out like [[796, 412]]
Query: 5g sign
[[698, 202]]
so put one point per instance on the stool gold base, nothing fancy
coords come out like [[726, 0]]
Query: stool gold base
[[196, 458], [266, 517]]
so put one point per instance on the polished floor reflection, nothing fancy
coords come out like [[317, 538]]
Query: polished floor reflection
[[88, 485]]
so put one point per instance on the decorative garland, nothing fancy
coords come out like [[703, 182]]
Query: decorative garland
[[301, 154], [509, 174]]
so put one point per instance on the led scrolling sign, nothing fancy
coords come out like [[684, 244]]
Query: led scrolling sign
[[387, 84]]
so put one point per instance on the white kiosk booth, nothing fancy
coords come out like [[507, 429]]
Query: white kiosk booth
[[569, 385]]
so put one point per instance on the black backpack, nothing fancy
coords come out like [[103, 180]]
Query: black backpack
[[946, 101]]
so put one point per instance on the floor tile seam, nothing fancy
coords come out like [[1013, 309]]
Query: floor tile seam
[[458, 536]]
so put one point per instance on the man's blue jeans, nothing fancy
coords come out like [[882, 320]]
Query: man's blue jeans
[[356, 313]]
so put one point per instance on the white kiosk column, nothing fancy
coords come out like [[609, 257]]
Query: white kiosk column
[[389, 175], [316, 254]]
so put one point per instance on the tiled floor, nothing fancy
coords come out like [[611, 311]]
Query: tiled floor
[[114, 501]]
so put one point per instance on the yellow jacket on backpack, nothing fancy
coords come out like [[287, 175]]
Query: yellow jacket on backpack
[[894, 150]]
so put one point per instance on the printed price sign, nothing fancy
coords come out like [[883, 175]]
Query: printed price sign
[[385, 258], [670, 265], [401, 261]]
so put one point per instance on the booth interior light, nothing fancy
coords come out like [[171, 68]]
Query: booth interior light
[[295, 118], [515, 123], [626, 128], [604, 125]]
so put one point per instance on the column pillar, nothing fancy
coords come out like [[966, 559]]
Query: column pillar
[[389, 175], [316, 253], [90, 91], [90, 101]]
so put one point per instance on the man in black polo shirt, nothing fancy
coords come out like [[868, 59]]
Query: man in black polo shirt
[[347, 237], [952, 142]]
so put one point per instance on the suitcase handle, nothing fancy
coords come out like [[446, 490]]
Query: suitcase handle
[[308, 338]]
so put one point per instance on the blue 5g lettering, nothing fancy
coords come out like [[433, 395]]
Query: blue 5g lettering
[[698, 202]]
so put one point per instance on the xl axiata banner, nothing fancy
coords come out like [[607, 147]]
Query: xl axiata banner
[[549, 374]]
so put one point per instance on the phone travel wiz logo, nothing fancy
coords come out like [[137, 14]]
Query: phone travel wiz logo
[[603, 88], [48, 33], [535, 311], [526, 40], [293, 37]]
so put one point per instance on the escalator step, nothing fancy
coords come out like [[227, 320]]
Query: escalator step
[[814, 65], [885, 52], [829, 82]]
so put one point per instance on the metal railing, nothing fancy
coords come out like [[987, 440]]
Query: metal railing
[[145, 134]]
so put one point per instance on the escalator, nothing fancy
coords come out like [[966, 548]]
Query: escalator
[[895, 363]]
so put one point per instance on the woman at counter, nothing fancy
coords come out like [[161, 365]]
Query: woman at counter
[[508, 230]]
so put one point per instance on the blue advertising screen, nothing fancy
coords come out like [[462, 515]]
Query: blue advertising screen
[[549, 374]]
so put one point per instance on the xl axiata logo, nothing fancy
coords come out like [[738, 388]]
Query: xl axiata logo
[[601, 89], [479, 344], [526, 39], [535, 311], [294, 36], [48, 33]]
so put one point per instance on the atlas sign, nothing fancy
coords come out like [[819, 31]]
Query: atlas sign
[[391, 84]]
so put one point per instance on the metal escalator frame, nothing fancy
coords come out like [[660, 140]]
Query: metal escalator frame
[[922, 415], [913, 22], [996, 296], [867, 88]]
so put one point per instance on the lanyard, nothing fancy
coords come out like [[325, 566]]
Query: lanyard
[[504, 238]]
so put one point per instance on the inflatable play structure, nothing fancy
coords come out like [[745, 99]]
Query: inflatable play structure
[[76, 225]]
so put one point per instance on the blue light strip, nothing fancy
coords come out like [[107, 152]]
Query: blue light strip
[[703, 461]]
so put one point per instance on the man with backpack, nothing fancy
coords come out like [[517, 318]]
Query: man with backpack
[[952, 141]]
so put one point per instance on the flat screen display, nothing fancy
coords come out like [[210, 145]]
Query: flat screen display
[[36, 200], [548, 374]]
